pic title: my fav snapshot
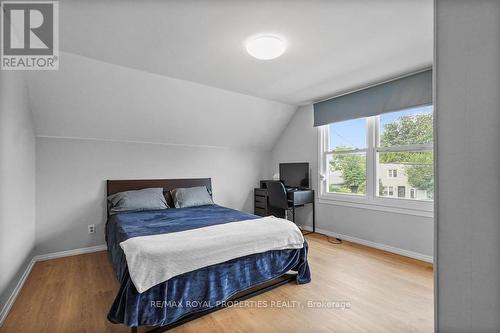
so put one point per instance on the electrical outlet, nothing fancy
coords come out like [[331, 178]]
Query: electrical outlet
[[91, 228]]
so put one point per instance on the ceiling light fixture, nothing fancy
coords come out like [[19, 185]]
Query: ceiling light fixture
[[265, 47]]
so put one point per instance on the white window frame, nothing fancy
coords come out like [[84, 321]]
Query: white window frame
[[370, 200]]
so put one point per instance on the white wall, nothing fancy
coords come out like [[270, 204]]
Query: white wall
[[71, 177], [17, 182], [299, 143], [97, 121], [468, 165]]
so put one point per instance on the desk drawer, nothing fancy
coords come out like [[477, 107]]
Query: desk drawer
[[261, 192], [259, 198], [262, 205]]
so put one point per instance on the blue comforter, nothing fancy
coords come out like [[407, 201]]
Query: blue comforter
[[194, 291]]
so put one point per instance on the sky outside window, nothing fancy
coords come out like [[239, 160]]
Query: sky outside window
[[350, 133]]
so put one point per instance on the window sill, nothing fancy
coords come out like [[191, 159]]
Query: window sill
[[399, 206]]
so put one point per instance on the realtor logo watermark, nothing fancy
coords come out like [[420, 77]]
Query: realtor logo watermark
[[30, 35]]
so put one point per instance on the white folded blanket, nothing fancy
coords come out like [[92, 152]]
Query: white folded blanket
[[154, 259]]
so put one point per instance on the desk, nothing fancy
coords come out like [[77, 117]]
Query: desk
[[296, 198]]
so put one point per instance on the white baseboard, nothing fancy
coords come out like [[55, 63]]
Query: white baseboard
[[12, 298], [68, 253], [384, 247]]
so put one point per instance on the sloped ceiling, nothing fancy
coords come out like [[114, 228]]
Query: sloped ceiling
[[177, 72], [96, 100]]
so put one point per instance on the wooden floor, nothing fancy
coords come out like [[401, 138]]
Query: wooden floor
[[381, 292]]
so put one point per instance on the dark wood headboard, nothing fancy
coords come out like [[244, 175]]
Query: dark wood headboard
[[115, 186]]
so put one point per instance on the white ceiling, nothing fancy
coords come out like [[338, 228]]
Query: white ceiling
[[333, 45]]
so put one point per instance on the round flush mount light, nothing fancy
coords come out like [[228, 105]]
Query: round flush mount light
[[265, 47]]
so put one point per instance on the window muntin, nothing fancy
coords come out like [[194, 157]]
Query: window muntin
[[397, 158]]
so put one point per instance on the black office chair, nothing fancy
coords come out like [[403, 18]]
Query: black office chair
[[278, 200]]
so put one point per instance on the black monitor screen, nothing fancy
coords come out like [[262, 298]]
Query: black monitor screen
[[295, 174]]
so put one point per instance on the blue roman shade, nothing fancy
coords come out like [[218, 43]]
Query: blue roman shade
[[409, 91]]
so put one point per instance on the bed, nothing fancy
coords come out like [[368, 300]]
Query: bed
[[207, 289]]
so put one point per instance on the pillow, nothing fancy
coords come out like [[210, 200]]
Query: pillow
[[191, 197], [146, 199]]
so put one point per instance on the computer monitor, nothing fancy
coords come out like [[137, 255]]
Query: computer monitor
[[295, 174]]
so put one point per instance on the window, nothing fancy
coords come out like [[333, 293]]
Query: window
[[393, 173], [376, 159], [388, 191]]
